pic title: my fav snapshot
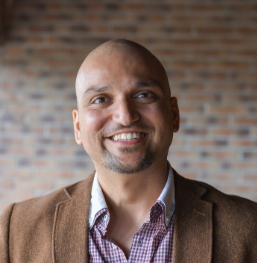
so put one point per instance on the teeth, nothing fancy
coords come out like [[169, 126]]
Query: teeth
[[128, 136], [115, 137]]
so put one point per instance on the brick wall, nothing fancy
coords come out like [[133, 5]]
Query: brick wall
[[209, 49]]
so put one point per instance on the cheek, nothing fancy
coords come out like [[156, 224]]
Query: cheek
[[160, 113], [92, 121]]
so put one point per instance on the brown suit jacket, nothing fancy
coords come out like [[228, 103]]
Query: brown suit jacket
[[209, 226]]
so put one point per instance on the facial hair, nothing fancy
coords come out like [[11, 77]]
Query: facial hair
[[114, 164]]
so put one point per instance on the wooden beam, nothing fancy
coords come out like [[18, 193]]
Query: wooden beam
[[5, 8]]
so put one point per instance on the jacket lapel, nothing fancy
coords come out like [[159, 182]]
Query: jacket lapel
[[193, 229], [70, 233]]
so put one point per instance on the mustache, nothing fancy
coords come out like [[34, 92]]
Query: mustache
[[118, 128]]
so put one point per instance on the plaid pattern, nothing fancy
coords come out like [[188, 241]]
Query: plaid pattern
[[153, 242]]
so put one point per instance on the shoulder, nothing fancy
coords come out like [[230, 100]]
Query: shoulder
[[43, 207], [211, 194], [229, 211], [27, 227]]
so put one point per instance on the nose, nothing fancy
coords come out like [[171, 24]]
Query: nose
[[125, 112]]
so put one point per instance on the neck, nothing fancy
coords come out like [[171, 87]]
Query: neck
[[124, 191]]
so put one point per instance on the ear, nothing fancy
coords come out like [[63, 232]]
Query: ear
[[76, 126], [175, 113]]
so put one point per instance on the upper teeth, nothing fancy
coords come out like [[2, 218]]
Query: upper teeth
[[127, 136]]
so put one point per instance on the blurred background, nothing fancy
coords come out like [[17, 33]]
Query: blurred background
[[209, 49]]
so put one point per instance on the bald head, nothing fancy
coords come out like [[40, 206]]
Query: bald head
[[128, 52], [122, 45]]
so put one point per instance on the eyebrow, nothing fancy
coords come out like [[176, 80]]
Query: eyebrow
[[148, 82], [139, 84], [95, 89]]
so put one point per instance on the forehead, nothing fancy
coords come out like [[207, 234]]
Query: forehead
[[119, 66]]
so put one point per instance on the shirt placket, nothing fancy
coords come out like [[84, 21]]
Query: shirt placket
[[145, 241], [116, 251]]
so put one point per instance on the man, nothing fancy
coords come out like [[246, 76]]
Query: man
[[135, 207]]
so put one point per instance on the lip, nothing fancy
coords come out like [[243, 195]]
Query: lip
[[130, 141], [127, 143], [125, 131]]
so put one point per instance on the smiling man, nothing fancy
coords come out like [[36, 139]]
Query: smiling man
[[134, 207]]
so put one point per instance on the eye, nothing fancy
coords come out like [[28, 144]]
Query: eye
[[145, 96], [100, 100]]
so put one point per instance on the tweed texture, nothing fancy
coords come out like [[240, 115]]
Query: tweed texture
[[209, 226]]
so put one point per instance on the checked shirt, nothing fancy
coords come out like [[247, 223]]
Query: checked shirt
[[153, 242]]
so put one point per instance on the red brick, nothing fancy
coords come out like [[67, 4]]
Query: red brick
[[207, 8], [229, 65], [188, 64], [214, 30], [220, 177], [6, 162], [6, 184], [191, 42], [240, 188], [17, 172], [227, 109], [34, 185], [236, 42], [16, 196], [244, 143], [186, 19], [13, 52], [250, 53], [52, 174], [209, 53], [208, 75], [133, 7], [246, 121], [190, 109], [200, 165], [223, 131], [248, 8], [250, 177]]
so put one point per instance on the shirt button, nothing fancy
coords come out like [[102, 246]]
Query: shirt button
[[106, 217], [140, 241], [114, 246]]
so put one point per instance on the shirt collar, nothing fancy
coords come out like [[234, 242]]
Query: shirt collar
[[97, 201], [167, 197]]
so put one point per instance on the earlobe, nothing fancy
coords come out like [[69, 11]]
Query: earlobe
[[175, 113], [76, 127]]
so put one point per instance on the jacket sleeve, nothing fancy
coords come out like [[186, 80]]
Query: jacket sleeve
[[5, 219]]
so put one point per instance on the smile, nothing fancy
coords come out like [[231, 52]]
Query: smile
[[128, 136]]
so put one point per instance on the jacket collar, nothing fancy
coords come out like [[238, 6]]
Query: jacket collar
[[193, 227], [71, 224]]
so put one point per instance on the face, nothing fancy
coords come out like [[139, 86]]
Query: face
[[125, 118]]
